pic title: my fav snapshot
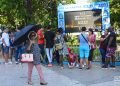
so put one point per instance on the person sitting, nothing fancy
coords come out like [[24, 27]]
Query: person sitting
[[72, 59]]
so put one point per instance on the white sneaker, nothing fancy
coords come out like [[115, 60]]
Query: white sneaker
[[16, 62], [83, 65], [6, 63], [77, 65], [10, 62]]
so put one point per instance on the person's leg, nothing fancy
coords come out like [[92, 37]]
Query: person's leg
[[87, 52], [6, 54], [77, 61], [107, 61], [2, 50], [39, 69], [113, 61], [103, 53], [69, 60], [11, 53], [20, 52], [57, 57], [41, 46], [30, 68], [42, 80], [51, 54], [108, 56], [43, 50], [113, 57], [61, 60], [48, 56], [81, 56], [16, 54], [81, 63], [90, 58]]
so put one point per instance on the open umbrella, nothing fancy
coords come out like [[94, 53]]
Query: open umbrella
[[21, 36]]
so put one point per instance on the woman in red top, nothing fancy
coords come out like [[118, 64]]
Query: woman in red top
[[40, 34], [92, 40]]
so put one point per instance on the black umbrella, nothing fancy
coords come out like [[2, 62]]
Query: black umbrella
[[22, 35]]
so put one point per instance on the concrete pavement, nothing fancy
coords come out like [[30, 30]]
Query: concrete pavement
[[16, 75]]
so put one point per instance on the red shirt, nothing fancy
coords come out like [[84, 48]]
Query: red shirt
[[40, 37]]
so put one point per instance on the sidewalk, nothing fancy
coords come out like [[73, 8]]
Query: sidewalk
[[16, 75]]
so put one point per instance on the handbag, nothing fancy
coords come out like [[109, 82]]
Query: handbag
[[58, 46], [27, 58]]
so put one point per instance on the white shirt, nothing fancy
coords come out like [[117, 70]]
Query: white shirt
[[5, 36]]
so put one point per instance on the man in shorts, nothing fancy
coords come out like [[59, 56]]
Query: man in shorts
[[6, 44]]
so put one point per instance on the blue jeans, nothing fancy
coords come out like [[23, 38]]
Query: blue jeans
[[103, 54], [19, 51], [42, 51]]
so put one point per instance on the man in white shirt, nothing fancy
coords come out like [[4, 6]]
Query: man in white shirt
[[6, 45]]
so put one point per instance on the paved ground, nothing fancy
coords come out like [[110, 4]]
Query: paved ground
[[16, 75]]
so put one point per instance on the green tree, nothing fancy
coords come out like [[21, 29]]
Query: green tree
[[115, 13]]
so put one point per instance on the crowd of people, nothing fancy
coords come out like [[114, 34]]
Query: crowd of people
[[53, 46], [49, 41]]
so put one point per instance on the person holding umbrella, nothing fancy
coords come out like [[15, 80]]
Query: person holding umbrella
[[32, 47]]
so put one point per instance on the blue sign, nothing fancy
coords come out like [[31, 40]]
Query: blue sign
[[91, 15]]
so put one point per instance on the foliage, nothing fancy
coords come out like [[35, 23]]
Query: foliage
[[115, 13], [15, 13]]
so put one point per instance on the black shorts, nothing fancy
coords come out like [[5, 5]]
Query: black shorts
[[91, 55]]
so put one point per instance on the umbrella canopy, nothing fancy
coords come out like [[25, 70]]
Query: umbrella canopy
[[22, 35]]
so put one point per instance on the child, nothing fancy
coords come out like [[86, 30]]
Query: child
[[72, 58]]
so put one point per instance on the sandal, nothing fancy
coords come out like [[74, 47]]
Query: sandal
[[30, 83], [43, 83]]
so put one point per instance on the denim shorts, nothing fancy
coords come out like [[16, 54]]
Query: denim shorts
[[6, 49], [84, 52]]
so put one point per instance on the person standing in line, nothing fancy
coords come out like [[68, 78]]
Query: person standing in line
[[59, 39], [1, 46], [12, 48], [103, 46], [92, 40], [111, 48], [19, 49], [32, 47], [6, 45], [41, 39], [84, 48], [49, 43]]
